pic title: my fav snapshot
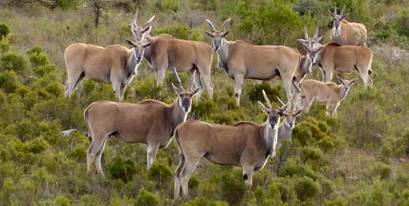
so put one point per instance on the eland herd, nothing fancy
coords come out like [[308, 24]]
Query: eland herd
[[244, 144]]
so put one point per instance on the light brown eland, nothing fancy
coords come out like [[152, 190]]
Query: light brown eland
[[244, 144], [347, 33], [342, 58], [114, 64], [150, 122], [330, 93], [167, 51], [243, 60]]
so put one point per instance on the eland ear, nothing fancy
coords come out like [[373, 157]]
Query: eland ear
[[130, 42], [298, 113], [147, 44], [210, 34], [353, 82], [147, 29], [195, 91], [225, 33], [341, 81], [302, 41]]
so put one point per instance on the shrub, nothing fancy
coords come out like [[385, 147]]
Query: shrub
[[382, 170], [232, 186], [146, 198], [8, 81], [255, 92], [306, 188], [12, 61], [4, 30], [202, 201], [160, 172], [37, 145], [122, 169], [402, 25], [37, 57]]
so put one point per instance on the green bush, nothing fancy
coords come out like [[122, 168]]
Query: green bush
[[13, 61], [160, 172], [146, 198], [4, 30], [306, 188], [8, 81], [122, 169], [202, 201], [232, 187], [37, 57]]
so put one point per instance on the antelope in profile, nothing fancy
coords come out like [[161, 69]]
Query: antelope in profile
[[347, 33], [244, 144], [330, 93], [113, 64], [150, 122], [242, 60], [342, 58], [167, 51]]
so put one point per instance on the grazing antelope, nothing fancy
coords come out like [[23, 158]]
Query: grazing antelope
[[242, 60], [244, 144], [167, 51], [113, 64], [150, 122], [347, 33], [343, 58], [330, 93]]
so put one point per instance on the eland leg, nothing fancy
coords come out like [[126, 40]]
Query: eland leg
[[186, 173], [238, 84], [99, 158], [72, 81], [152, 150]]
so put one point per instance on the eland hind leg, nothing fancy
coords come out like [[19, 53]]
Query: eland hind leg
[[73, 78], [178, 171], [95, 146], [99, 158], [187, 171]]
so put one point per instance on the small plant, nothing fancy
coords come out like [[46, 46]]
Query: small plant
[[122, 169], [146, 198], [4, 30]]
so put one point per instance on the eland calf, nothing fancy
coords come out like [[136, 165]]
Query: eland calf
[[150, 122], [330, 93], [244, 144]]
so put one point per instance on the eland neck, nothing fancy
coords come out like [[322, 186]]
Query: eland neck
[[270, 136], [284, 131], [223, 53], [343, 92], [132, 64], [177, 113]]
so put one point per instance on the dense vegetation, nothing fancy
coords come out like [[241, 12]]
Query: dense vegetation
[[359, 157]]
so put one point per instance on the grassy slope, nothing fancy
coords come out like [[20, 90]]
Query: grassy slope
[[368, 125]]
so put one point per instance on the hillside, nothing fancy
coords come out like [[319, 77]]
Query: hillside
[[359, 157]]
